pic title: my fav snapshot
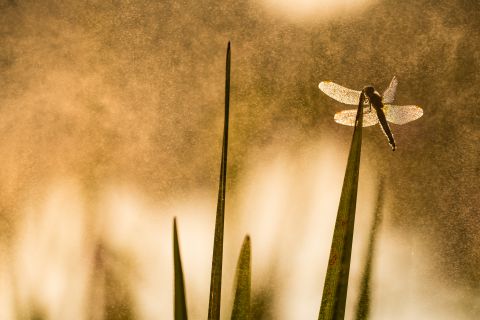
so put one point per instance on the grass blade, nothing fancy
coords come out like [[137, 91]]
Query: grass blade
[[241, 304], [216, 273], [336, 280], [363, 307], [180, 310]]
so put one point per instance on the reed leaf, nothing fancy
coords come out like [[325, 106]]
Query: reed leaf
[[241, 303], [180, 310], [363, 306], [336, 281], [216, 273]]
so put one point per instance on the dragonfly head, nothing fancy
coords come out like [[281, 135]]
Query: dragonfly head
[[369, 91]]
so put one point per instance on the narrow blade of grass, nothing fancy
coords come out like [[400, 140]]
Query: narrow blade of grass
[[336, 280], [363, 307], [180, 310], [216, 273], [241, 304]]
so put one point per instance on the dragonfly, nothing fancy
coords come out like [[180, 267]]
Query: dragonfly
[[383, 110]]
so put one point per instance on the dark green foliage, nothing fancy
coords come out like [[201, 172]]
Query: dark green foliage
[[216, 274], [363, 307], [241, 304], [180, 310], [336, 280]]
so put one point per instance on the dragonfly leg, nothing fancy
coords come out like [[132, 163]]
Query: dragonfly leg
[[367, 102], [369, 108]]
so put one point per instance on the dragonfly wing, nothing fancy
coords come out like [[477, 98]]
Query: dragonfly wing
[[402, 114], [347, 117], [339, 93], [389, 94]]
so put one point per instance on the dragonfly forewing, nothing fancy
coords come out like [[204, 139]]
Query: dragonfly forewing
[[389, 94], [340, 93], [402, 114]]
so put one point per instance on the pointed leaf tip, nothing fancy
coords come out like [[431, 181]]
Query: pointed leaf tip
[[217, 258], [180, 304], [241, 304]]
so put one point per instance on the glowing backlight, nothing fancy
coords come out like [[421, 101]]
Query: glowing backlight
[[309, 9]]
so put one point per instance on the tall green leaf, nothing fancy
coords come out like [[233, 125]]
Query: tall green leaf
[[336, 280], [216, 274], [180, 310], [363, 307], [241, 304]]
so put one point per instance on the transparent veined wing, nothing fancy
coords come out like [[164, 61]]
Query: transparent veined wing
[[402, 114], [347, 117], [340, 93], [389, 95]]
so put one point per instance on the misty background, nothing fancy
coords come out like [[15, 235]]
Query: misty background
[[111, 116]]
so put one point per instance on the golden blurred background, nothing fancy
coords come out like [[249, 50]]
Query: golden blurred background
[[111, 117]]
